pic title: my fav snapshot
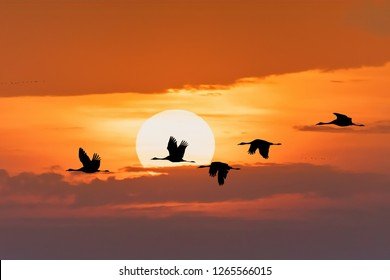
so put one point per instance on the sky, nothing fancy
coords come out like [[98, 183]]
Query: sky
[[91, 73]]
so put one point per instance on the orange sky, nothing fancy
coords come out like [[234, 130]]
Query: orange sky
[[70, 48], [90, 73], [42, 132]]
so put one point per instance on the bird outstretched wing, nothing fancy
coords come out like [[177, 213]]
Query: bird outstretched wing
[[95, 162], [172, 145], [84, 158], [264, 151], [222, 173], [213, 170], [252, 148], [181, 149], [342, 117]]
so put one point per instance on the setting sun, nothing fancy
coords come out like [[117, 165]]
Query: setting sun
[[153, 136]]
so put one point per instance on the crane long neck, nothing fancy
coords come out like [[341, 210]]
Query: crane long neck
[[71, 169], [322, 123], [156, 158], [203, 166]]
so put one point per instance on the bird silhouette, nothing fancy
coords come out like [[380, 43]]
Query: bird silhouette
[[341, 120], [176, 153], [221, 168], [89, 166], [262, 145]]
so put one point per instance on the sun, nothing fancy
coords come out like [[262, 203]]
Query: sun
[[153, 136]]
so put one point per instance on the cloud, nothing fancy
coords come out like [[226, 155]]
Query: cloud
[[187, 185], [373, 17], [302, 211], [379, 127], [19, 82], [349, 80], [137, 49], [203, 90], [324, 128], [375, 127]]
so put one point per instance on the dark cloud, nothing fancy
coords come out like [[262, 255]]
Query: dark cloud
[[151, 46], [357, 230], [375, 127], [15, 83], [379, 127], [137, 169], [187, 185], [350, 80], [372, 16], [327, 128]]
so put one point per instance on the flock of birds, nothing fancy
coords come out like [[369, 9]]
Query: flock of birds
[[176, 152]]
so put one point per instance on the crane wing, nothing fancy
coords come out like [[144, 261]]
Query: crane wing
[[342, 117], [252, 149], [95, 163], [222, 176], [181, 149], [213, 170], [84, 158], [172, 145], [264, 151]]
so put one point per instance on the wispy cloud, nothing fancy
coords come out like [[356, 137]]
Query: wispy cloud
[[189, 185], [375, 127]]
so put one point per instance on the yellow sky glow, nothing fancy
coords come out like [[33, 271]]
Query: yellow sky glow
[[42, 132]]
